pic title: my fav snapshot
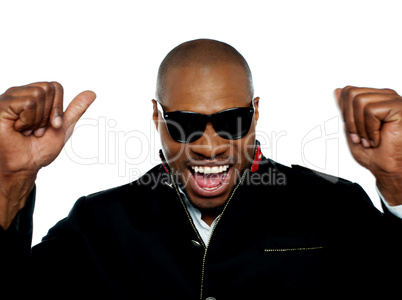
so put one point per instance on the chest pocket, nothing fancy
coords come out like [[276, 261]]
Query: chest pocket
[[295, 263], [294, 244]]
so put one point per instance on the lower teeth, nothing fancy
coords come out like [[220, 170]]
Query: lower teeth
[[211, 189]]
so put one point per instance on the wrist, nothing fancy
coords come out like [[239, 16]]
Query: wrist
[[390, 188], [14, 193]]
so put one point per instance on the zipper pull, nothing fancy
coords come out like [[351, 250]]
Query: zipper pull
[[168, 184]]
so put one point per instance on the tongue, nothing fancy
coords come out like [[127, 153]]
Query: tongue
[[208, 181]]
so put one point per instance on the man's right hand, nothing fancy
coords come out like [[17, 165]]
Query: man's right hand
[[33, 130]]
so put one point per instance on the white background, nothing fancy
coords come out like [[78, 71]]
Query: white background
[[299, 52]]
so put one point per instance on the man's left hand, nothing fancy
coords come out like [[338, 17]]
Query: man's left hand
[[373, 127]]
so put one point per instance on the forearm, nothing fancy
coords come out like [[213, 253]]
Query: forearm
[[14, 194], [15, 253]]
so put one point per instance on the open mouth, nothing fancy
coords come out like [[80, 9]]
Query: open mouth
[[210, 181]]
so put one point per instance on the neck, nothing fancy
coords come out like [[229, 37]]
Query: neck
[[208, 215], [208, 218]]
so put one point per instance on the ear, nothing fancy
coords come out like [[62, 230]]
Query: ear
[[155, 114], [256, 102]]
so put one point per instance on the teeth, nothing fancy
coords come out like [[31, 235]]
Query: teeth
[[210, 170], [210, 189]]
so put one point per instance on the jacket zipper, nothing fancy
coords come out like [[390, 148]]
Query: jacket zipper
[[217, 221], [213, 229], [187, 213]]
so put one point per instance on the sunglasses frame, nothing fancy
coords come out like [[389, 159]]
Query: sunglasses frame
[[209, 118]]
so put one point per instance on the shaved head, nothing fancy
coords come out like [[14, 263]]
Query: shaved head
[[202, 53]]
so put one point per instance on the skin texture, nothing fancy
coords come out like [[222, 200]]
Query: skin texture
[[207, 90]]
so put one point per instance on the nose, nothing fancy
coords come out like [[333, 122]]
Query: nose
[[210, 145]]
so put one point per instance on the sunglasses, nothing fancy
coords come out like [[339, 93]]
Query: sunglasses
[[187, 126]]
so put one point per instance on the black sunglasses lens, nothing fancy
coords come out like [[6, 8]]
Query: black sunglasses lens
[[185, 127], [233, 124]]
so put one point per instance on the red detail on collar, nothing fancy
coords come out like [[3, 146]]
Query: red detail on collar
[[257, 159], [165, 168]]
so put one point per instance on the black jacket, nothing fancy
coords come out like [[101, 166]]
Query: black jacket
[[284, 233]]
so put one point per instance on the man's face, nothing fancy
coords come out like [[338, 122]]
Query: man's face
[[207, 90]]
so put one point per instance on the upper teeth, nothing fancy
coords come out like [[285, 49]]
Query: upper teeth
[[210, 170]]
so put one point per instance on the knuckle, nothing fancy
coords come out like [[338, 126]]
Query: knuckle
[[30, 102], [38, 92], [47, 87], [346, 91], [351, 92], [359, 101], [348, 87], [388, 90], [367, 110], [57, 86]]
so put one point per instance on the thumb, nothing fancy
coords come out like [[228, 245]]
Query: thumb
[[337, 95], [76, 109]]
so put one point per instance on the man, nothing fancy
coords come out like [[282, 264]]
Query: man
[[212, 227]]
